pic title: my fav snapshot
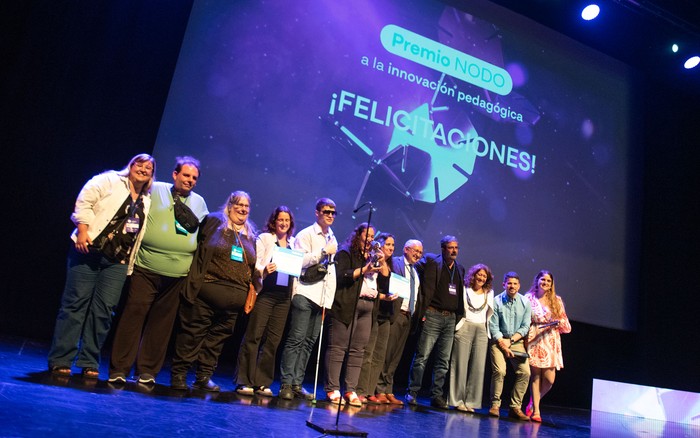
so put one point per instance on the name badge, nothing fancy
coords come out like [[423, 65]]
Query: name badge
[[282, 279], [236, 253], [132, 225], [453, 289], [179, 229]]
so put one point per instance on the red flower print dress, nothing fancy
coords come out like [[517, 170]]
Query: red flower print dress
[[544, 344]]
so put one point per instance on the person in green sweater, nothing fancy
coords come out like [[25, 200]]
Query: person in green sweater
[[159, 272]]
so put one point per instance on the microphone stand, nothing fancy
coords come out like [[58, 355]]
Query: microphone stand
[[346, 429]]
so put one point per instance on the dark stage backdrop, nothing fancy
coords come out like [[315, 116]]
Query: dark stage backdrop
[[469, 121], [83, 89]]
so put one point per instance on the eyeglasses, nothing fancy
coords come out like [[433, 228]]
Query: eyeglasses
[[329, 212]]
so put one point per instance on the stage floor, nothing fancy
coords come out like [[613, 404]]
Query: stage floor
[[33, 403]]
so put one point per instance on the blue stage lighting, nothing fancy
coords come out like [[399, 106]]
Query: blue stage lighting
[[692, 62], [590, 12]]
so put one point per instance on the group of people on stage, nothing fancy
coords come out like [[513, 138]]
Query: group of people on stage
[[203, 269]]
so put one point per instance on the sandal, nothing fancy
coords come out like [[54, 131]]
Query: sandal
[[60, 371], [90, 373], [335, 398], [353, 399]]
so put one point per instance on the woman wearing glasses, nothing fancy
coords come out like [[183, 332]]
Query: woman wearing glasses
[[109, 215], [215, 292]]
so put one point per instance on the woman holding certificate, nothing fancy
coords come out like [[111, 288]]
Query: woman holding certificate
[[217, 285], [256, 364], [549, 320]]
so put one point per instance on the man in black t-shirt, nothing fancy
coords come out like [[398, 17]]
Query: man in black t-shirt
[[440, 305]]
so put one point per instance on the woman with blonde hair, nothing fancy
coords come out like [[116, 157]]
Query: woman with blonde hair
[[549, 320], [109, 215]]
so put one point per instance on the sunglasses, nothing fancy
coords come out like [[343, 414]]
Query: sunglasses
[[329, 212]]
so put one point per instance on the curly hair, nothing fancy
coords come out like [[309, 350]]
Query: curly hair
[[470, 279], [353, 242], [550, 297]]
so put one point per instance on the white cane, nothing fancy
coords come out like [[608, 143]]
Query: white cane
[[320, 337]]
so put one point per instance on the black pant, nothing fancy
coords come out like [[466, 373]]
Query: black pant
[[398, 334], [146, 323], [205, 326], [267, 319]]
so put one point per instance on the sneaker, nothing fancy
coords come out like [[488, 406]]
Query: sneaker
[[178, 382], [286, 392], [147, 379], [264, 391], [439, 402], [245, 390], [353, 399], [206, 384], [335, 398], [362, 398], [117, 378], [412, 398], [300, 392]]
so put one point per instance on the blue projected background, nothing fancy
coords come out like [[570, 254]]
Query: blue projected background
[[406, 104]]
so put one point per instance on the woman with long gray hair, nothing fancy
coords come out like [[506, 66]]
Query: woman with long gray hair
[[215, 292]]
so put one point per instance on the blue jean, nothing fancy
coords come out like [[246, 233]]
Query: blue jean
[[92, 291], [438, 330], [304, 328]]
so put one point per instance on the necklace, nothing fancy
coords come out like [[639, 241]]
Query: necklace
[[471, 307]]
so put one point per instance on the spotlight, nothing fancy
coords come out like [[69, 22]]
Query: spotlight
[[692, 62], [674, 48], [590, 12]]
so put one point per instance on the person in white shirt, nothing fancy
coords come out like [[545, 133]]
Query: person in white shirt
[[470, 345], [308, 298]]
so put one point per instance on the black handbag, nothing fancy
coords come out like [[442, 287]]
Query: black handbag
[[183, 215]]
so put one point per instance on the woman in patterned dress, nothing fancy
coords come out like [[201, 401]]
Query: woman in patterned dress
[[549, 320]]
